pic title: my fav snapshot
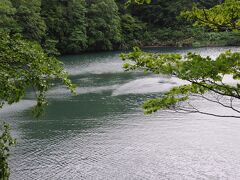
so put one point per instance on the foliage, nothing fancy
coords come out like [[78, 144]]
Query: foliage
[[66, 24], [170, 37], [187, 37], [29, 19], [49, 47], [23, 66], [222, 17], [104, 31], [133, 31], [137, 2], [208, 4], [7, 12], [203, 74], [77, 26], [6, 141], [161, 13], [202, 38]]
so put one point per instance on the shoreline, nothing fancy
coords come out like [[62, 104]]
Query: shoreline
[[145, 47]]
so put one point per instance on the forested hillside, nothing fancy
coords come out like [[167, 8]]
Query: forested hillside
[[75, 26]]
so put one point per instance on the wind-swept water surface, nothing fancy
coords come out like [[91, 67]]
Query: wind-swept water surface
[[102, 133]]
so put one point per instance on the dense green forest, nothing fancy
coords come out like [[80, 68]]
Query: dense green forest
[[75, 26]]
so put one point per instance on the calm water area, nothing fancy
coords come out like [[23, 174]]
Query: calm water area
[[102, 132]]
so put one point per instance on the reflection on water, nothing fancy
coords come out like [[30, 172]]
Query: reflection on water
[[148, 85], [102, 133]]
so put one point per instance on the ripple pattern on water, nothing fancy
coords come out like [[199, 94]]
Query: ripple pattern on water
[[148, 85], [164, 146], [16, 108], [102, 133]]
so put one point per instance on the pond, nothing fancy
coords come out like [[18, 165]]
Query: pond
[[102, 132]]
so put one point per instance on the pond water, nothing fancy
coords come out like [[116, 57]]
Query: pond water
[[102, 132]]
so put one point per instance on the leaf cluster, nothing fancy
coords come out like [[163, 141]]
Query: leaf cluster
[[203, 74], [222, 17], [23, 66], [6, 141]]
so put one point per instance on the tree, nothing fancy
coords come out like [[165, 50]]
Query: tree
[[132, 31], [24, 66], [222, 17], [66, 24], [7, 12], [208, 3], [104, 30], [6, 141], [138, 2], [161, 13], [29, 18], [204, 75], [78, 36]]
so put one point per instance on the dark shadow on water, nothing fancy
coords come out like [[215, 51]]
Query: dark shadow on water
[[81, 113]]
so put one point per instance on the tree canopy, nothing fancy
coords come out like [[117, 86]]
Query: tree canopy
[[104, 29], [29, 19], [77, 26], [203, 75], [222, 17], [7, 12], [66, 24]]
